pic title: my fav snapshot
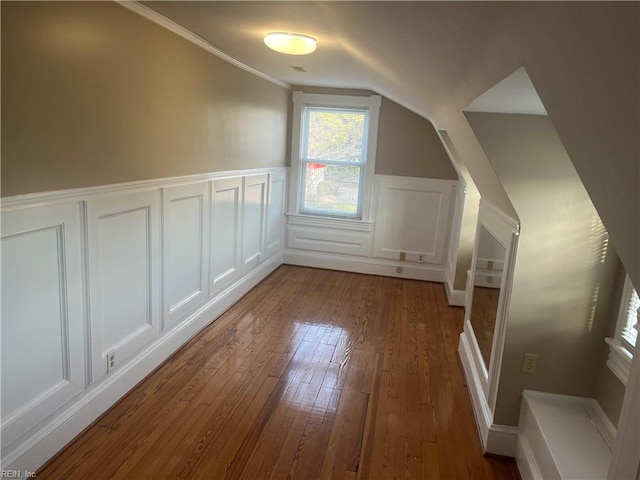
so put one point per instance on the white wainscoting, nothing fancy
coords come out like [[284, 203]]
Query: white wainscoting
[[42, 315], [185, 234], [127, 269], [411, 216], [275, 213], [226, 211], [123, 241], [254, 218], [455, 297]]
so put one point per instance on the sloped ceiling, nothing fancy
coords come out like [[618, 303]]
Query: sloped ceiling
[[514, 94], [415, 52], [435, 58]]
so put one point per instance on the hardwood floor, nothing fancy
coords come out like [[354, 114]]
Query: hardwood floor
[[313, 374]]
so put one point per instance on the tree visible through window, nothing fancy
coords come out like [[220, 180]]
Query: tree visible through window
[[333, 159]]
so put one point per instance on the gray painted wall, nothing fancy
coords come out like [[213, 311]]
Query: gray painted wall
[[94, 94], [565, 269], [408, 145]]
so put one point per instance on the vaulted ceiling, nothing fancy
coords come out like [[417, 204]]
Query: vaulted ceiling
[[418, 53], [436, 58]]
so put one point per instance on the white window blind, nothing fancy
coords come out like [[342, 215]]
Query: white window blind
[[623, 344], [628, 334]]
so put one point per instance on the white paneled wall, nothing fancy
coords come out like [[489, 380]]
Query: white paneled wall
[[411, 218], [226, 210], [42, 315], [125, 272], [253, 219], [275, 213], [123, 243], [185, 249]]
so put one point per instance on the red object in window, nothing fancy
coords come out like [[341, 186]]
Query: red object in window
[[314, 166]]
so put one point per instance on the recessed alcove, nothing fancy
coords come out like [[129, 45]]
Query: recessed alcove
[[563, 292]]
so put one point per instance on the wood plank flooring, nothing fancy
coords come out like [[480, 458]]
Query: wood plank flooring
[[313, 374]]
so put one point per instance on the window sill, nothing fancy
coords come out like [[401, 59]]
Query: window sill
[[619, 361], [329, 222]]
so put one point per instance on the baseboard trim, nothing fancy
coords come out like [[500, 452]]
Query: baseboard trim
[[481, 409], [496, 439], [526, 460], [66, 424], [371, 266], [457, 298], [502, 440]]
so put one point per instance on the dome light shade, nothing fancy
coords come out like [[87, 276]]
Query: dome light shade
[[290, 43]]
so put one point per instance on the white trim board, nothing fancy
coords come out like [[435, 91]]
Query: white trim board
[[187, 34], [30, 200], [456, 298], [126, 210], [496, 439], [71, 421], [429, 273], [563, 437]]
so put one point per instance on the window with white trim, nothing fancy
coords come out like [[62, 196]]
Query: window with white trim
[[333, 154], [623, 343]]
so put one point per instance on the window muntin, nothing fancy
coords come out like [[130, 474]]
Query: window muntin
[[333, 156]]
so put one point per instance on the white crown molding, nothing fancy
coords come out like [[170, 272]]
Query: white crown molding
[[178, 29]]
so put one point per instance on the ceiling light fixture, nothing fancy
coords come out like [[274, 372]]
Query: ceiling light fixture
[[290, 43]]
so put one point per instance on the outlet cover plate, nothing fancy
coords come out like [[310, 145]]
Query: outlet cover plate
[[529, 363]]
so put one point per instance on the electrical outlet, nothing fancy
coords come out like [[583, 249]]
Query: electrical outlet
[[421, 258], [111, 361], [403, 256], [529, 363]]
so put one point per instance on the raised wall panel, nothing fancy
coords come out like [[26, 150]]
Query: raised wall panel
[[253, 219], [124, 267], [90, 271], [412, 216], [42, 315], [275, 213], [226, 212], [185, 250], [328, 241]]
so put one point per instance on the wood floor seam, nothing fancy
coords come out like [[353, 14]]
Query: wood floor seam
[[314, 374]]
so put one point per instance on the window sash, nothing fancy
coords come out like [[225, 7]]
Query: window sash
[[306, 159], [326, 212], [308, 109]]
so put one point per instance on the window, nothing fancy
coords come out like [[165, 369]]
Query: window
[[622, 345], [333, 160], [628, 317], [333, 153]]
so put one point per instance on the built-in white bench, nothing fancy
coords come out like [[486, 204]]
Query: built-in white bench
[[563, 437]]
